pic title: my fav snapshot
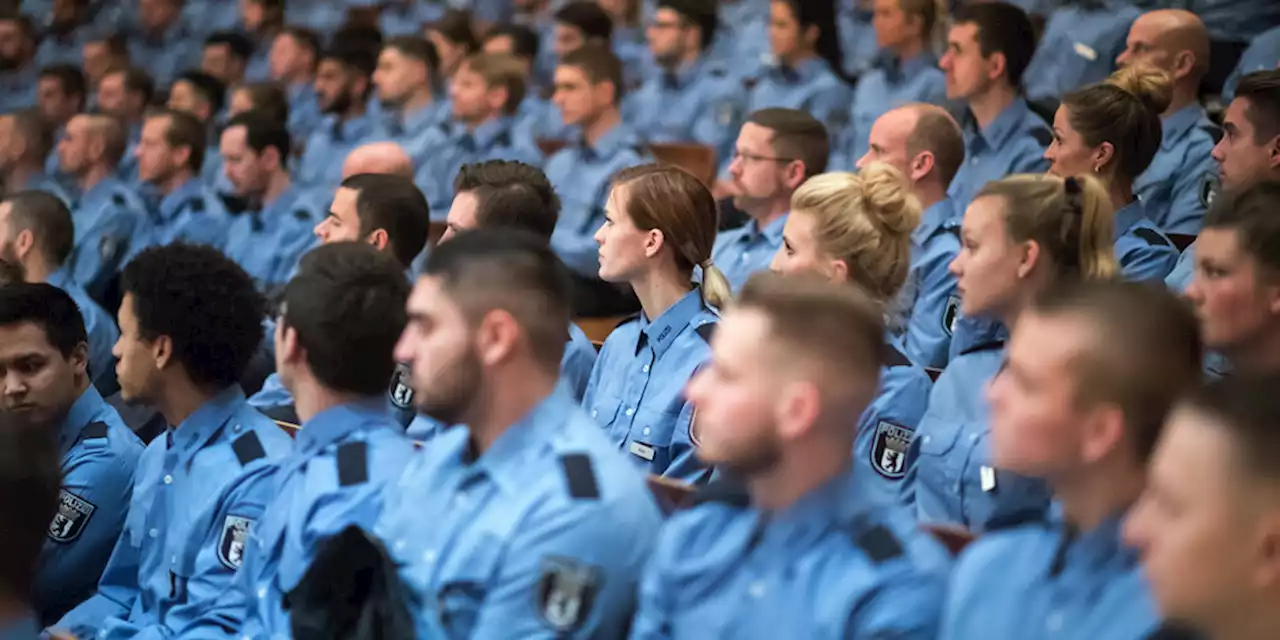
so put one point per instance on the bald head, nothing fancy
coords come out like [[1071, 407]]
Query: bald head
[[386, 158], [921, 140], [1172, 40], [108, 131]]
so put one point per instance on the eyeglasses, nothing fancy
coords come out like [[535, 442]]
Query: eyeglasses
[[751, 157]]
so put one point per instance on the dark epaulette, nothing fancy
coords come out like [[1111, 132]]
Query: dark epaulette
[[986, 346], [119, 200], [895, 358], [301, 215], [248, 448], [283, 413], [1152, 237], [717, 71], [503, 139], [580, 476], [876, 540], [95, 431], [706, 331], [1214, 131], [1042, 135], [195, 203], [353, 463], [723, 491]]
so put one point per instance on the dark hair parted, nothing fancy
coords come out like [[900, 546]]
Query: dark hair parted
[[395, 205], [510, 194], [1002, 28], [1262, 90]]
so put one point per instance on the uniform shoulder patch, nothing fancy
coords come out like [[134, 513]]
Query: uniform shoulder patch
[[566, 592], [1209, 187], [1042, 135], [1152, 237], [248, 448], [353, 463], [705, 331], [889, 449], [232, 541], [580, 475], [71, 518], [95, 430], [399, 392], [878, 542]]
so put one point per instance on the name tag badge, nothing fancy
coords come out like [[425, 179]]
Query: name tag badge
[[1085, 51], [642, 451], [988, 476]]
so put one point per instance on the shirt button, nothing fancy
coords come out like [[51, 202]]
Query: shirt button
[[973, 437], [399, 545], [756, 590], [646, 431], [175, 560], [168, 479], [645, 368], [153, 533], [235, 429], [595, 412], [630, 411], [262, 592], [428, 556], [926, 438]]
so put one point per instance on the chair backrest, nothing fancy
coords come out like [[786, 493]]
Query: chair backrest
[[289, 427], [597, 329], [549, 147], [698, 159], [1181, 240], [955, 539], [671, 495]]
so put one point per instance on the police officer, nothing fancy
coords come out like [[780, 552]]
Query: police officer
[[858, 42], [1085, 355], [1248, 153], [342, 313], [384, 157], [166, 45], [45, 352], [261, 21], [925, 144], [556, 526], [777, 150], [37, 232], [109, 218], [203, 96], [692, 99], [171, 154], [536, 117], [413, 114], [742, 37], [29, 481], [905, 72], [125, 93], [269, 237], [806, 62], [792, 360], [1176, 186], [1079, 46], [660, 226], [25, 142], [342, 91], [18, 80], [1020, 234], [226, 56], [1211, 485], [266, 97], [66, 31], [1263, 54], [60, 95], [1112, 129], [485, 94], [988, 48], [588, 90], [295, 52], [190, 321], [856, 229]]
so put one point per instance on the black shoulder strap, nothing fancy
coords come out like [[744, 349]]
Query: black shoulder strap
[[353, 463], [631, 318], [895, 358], [877, 541], [248, 448], [580, 475], [1152, 237], [95, 430], [705, 331]]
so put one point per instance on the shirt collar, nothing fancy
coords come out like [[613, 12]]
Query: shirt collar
[[337, 423], [1092, 549], [1004, 126], [1178, 124], [205, 423], [898, 69], [1127, 216], [680, 78], [660, 333], [502, 462], [356, 128], [85, 409], [607, 145], [814, 512], [771, 232], [804, 72], [275, 211], [933, 218], [491, 133], [178, 197], [100, 191], [422, 118]]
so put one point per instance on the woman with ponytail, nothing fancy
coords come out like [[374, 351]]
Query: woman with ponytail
[[1020, 235], [660, 223], [855, 228], [1113, 130]]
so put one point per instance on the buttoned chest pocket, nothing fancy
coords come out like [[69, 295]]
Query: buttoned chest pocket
[[946, 451], [654, 437], [464, 582], [996, 498], [605, 411]]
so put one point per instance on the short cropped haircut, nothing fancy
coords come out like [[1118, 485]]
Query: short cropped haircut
[[1146, 349], [269, 99], [30, 480], [796, 135], [47, 217], [47, 307], [416, 48], [209, 88], [114, 137], [204, 302], [116, 43], [1002, 28], [136, 81], [1262, 90], [237, 43], [512, 270], [457, 27], [589, 18], [306, 38], [347, 305], [358, 56], [938, 133], [524, 41], [599, 65], [35, 129], [500, 70], [263, 132], [184, 130], [1245, 408], [1251, 213], [697, 13], [510, 194], [395, 205], [70, 80]]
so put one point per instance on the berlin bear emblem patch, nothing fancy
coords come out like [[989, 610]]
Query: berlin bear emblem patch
[[566, 592], [401, 393], [889, 449], [951, 315], [72, 516], [231, 544]]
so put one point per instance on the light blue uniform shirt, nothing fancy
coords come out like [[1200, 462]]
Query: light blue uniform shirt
[[811, 86], [1012, 143], [268, 243], [1175, 187], [343, 461], [419, 133], [543, 535], [742, 38], [1233, 20], [700, 103], [890, 84], [322, 16], [189, 214], [496, 139], [930, 296], [538, 119], [99, 455], [62, 48], [1144, 253], [740, 252], [1263, 54], [18, 88], [886, 429], [110, 222], [320, 166], [582, 176], [197, 493], [100, 325], [170, 54], [1079, 47], [950, 479], [824, 568], [1046, 580], [857, 38], [304, 111], [407, 18], [1216, 365], [636, 391]]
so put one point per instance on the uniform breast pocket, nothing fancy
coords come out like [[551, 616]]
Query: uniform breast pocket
[[653, 437], [464, 585], [605, 412], [942, 454]]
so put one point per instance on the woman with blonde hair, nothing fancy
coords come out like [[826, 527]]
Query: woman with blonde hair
[[660, 223], [856, 228], [1020, 235]]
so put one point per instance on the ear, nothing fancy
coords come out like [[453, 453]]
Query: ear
[[1273, 152], [654, 240], [1030, 258], [80, 358], [23, 243], [921, 166], [838, 271], [604, 93], [794, 175], [271, 157], [182, 155], [810, 35], [497, 97], [162, 351], [288, 348], [1267, 565], [996, 66], [97, 147], [1103, 431], [378, 239], [797, 409], [496, 337], [1102, 156], [1183, 63]]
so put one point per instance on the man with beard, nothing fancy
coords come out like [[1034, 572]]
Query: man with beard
[[25, 142], [44, 353], [36, 233], [557, 526], [413, 115], [18, 71], [342, 90], [170, 156]]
